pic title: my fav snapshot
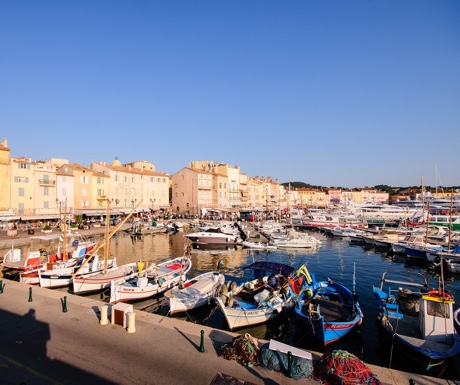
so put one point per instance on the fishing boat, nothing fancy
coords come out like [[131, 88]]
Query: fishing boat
[[261, 296], [327, 308], [196, 292], [416, 323], [60, 275], [155, 280], [70, 251]]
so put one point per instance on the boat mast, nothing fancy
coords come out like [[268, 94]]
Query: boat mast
[[426, 226], [450, 220], [65, 257], [106, 247], [101, 244], [423, 201]]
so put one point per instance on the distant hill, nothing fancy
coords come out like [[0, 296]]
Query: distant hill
[[389, 189]]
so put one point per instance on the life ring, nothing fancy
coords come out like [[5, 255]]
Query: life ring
[[439, 294]]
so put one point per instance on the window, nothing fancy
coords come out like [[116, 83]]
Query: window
[[46, 205], [21, 179], [132, 179], [83, 192], [438, 309], [115, 178], [152, 179], [126, 179], [84, 179], [99, 180], [46, 191], [21, 191], [23, 166], [100, 192]]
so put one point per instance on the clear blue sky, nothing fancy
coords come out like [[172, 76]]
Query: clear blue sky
[[333, 93]]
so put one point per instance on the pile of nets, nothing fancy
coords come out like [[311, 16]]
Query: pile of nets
[[244, 349], [343, 368], [277, 361]]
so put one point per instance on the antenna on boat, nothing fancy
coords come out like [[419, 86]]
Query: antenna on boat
[[354, 279]]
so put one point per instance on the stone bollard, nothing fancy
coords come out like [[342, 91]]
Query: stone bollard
[[131, 322], [202, 342], [104, 314]]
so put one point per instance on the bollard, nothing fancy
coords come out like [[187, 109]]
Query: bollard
[[104, 313], [1, 286], [30, 294], [290, 374], [411, 382], [64, 305], [202, 342], [131, 322]]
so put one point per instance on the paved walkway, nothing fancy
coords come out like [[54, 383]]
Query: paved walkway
[[40, 343]]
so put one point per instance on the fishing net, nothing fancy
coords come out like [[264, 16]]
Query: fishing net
[[343, 368], [244, 349], [277, 361]]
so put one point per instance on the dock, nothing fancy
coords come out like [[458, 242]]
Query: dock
[[50, 337]]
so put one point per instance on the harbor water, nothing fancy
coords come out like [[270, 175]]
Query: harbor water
[[352, 265]]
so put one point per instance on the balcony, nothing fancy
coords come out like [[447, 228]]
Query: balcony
[[47, 182]]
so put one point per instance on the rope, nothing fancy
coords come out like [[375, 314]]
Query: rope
[[244, 349], [343, 368]]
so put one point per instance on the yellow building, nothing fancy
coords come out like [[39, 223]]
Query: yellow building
[[5, 179], [22, 193], [134, 184]]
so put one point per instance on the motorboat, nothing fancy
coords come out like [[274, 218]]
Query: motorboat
[[213, 236], [259, 245]]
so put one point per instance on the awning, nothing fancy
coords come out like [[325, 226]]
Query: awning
[[6, 218], [39, 217]]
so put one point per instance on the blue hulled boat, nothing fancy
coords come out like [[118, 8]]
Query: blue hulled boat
[[416, 324], [328, 308]]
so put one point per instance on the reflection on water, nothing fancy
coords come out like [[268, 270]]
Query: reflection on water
[[334, 259]]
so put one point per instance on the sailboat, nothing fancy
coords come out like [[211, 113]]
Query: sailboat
[[69, 254], [100, 280]]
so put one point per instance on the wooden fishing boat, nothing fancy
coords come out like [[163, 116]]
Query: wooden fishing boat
[[327, 308], [196, 292], [254, 301], [145, 284], [59, 275], [416, 323]]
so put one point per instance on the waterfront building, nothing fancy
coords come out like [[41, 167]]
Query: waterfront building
[[5, 180], [134, 184]]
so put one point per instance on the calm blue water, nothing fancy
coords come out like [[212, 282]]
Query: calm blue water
[[334, 259]]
